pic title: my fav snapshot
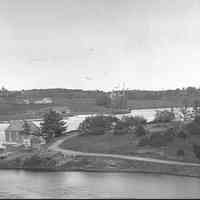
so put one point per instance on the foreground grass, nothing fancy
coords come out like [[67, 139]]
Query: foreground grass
[[127, 145], [54, 161]]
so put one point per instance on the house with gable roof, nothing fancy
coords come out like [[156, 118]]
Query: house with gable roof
[[15, 134]]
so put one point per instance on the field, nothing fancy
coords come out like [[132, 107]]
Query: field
[[127, 145], [76, 105], [84, 102]]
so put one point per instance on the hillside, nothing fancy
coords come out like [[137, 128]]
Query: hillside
[[21, 104]]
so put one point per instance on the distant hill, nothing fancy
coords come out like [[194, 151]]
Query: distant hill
[[14, 103]]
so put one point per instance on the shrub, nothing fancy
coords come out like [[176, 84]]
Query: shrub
[[182, 134], [121, 131], [97, 125], [170, 133], [164, 116], [197, 119], [155, 140], [193, 128], [140, 130], [180, 153], [134, 121], [158, 139], [196, 150], [121, 127], [143, 141], [32, 161], [126, 124]]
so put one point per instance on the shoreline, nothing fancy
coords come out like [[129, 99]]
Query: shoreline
[[58, 163], [102, 171]]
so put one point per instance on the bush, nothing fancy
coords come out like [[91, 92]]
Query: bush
[[196, 150], [170, 133], [182, 134], [97, 125], [140, 130], [126, 124], [164, 116], [134, 121], [193, 128], [158, 139], [143, 141], [32, 161], [197, 119], [121, 131], [180, 153], [121, 127]]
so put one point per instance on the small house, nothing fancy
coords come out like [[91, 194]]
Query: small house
[[15, 133]]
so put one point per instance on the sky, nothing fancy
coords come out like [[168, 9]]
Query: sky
[[99, 44]]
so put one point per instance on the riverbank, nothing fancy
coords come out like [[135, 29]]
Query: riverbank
[[55, 161]]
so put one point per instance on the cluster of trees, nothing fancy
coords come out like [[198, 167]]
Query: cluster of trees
[[132, 94], [97, 125], [164, 116], [164, 94], [52, 126], [100, 124]]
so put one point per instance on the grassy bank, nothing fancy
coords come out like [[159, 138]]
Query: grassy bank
[[127, 144], [52, 161]]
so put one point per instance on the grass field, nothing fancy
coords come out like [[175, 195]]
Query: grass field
[[127, 145], [76, 105]]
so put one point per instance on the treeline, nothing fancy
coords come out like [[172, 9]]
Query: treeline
[[67, 93], [131, 94], [157, 95]]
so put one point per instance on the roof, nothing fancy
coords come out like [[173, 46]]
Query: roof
[[18, 125]]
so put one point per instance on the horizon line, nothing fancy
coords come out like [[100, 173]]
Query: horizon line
[[128, 89]]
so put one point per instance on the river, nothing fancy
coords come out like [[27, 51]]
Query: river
[[26, 184]]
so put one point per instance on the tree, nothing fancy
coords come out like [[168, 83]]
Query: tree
[[184, 108], [196, 106], [52, 125], [164, 116], [196, 150], [134, 121], [97, 125], [140, 130], [26, 128], [180, 153]]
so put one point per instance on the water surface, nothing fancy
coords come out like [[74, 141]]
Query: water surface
[[26, 184]]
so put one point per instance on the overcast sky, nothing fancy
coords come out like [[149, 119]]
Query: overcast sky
[[99, 44]]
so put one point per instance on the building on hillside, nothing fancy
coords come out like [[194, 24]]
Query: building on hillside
[[14, 134]]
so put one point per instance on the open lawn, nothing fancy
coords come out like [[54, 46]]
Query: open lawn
[[127, 145], [107, 143]]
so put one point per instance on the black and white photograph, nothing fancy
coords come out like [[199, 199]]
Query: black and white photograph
[[99, 99]]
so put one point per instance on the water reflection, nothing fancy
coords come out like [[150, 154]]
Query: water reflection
[[24, 184]]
